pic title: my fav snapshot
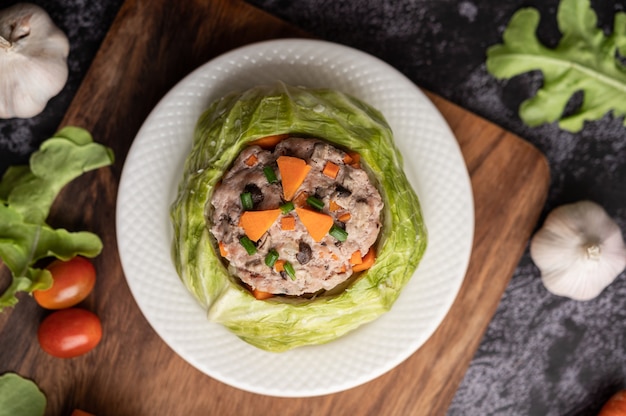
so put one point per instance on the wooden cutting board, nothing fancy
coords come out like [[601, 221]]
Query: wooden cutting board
[[149, 48]]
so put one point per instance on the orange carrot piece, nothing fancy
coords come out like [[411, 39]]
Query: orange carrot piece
[[331, 169], [316, 223], [293, 170], [356, 258], [279, 266], [260, 295], [251, 160], [300, 199], [256, 223], [356, 157], [333, 206], [368, 261], [347, 159], [268, 142], [223, 251], [344, 217], [287, 223]]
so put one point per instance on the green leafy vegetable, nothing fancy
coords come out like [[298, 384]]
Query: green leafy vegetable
[[585, 60], [282, 323], [26, 195], [19, 396]]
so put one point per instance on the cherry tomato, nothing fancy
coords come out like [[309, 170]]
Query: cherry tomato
[[73, 280], [69, 332], [615, 406]]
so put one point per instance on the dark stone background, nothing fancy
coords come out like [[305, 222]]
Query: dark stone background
[[542, 354]]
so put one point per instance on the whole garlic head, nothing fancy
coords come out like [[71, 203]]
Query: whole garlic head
[[33, 60], [579, 250]]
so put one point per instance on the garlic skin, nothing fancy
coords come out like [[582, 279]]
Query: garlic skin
[[33, 60], [579, 250]]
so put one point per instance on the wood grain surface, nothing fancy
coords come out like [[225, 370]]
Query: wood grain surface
[[149, 48]]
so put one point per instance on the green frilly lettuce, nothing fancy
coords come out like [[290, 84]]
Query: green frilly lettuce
[[26, 195], [279, 324]]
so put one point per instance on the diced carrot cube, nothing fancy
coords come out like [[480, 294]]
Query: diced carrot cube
[[260, 295], [279, 266], [223, 251], [333, 206], [251, 160], [300, 199], [288, 223], [331, 169], [356, 258], [344, 217], [368, 261]]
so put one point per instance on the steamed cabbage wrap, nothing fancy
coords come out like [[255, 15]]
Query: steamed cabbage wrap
[[282, 323]]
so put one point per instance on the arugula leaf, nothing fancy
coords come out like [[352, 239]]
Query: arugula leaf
[[20, 396], [26, 195], [585, 60]]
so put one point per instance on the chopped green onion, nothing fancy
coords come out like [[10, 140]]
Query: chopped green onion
[[339, 233], [291, 272], [248, 245], [271, 257], [246, 200], [270, 175], [315, 202], [287, 207]]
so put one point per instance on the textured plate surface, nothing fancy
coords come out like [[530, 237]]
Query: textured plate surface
[[434, 166]]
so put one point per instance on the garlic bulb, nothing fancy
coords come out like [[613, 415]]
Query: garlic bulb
[[33, 60], [579, 250]]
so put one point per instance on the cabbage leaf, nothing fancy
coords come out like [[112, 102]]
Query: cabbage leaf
[[584, 60], [26, 195], [281, 323]]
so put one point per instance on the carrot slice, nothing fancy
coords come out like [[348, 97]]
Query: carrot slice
[[269, 142], [260, 295], [293, 170], [367, 261], [316, 223], [288, 223], [356, 258], [347, 159], [330, 169], [256, 223]]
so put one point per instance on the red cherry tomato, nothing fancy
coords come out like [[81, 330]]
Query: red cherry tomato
[[69, 332], [615, 406], [73, 280]]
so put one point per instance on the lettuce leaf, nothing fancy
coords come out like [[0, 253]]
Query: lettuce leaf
[[19, 396], [585, 59], [280, 324], [26, 195]]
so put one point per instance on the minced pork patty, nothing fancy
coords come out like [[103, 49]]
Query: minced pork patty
[[318, 265]]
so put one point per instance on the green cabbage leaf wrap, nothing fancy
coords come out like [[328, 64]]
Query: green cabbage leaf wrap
[[281, 323]]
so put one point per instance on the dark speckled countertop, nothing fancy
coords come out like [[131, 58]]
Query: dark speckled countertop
[[542, 354]]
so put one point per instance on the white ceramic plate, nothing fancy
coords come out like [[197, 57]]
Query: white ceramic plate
[[434, 166]]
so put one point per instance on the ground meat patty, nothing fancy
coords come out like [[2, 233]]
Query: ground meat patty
[[318, 265]]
